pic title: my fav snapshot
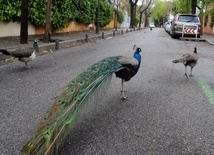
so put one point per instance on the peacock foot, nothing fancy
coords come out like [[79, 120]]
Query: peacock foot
[[191, 75]]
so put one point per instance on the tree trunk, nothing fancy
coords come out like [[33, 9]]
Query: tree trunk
[[134, 16], [194, 4], [24, 22], [131, 14], [48, 22], [146, 19], [141, 13], [202, 17]]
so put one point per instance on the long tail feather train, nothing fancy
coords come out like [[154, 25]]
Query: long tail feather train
[[65, 108]]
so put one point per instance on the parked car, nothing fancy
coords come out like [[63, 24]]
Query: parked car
[[189, 20], [152, 26], [167, 26]]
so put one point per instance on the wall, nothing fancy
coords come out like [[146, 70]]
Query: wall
[[13, 29], [74, 26], [207, 29]]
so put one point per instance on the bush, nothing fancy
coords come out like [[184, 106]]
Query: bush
[[120, 16]]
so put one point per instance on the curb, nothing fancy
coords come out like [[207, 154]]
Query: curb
[[197, 39], [57, 45], [209, 42], [76, 42]]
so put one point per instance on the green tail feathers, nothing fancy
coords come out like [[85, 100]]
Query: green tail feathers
[[65, 108]]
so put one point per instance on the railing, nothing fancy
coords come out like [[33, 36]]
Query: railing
[[189, 29]]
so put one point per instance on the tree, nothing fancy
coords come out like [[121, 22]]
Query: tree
[[132, 12], [161, 11], [24, 22], [194, 4], [143, 8], [48, 22]]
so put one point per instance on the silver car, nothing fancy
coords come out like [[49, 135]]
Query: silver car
[[185, 25]]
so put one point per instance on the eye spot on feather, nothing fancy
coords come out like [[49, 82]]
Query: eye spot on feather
[[96, 69], [73, 81], [72, 90], [61, 101], [45, 117], [81, 82]]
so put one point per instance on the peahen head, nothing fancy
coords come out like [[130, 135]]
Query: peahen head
[[35, 45]]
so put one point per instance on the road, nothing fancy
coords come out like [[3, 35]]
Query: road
[[166, 113]]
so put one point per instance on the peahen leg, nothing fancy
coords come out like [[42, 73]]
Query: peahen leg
[[191, 72], [26, 65], [186, 71], [123, 97]]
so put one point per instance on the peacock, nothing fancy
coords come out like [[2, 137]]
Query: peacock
[[188, 59], [24, 54], [57, 120]]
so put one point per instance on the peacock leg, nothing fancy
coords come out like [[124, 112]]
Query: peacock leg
[[123, 94]]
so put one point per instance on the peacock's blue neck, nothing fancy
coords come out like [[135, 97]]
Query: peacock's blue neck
[[138, 57]]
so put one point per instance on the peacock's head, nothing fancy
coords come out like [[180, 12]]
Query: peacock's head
[[138, 50]]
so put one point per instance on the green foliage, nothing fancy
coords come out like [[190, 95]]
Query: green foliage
[[63, 11], [161, 10], [120, 17], [86, 11], [106, 13], [37, 12], [181, 6], [10, 10], [137, 20]]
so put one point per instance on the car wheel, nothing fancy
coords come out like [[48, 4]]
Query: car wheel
[[172, 36]]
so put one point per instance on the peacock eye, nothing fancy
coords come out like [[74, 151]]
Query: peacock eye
[[81, 82], [45, 117]]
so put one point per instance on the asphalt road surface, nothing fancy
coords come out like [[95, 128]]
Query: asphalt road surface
[[166, 114]]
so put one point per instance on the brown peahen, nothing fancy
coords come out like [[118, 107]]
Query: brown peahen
[[188, 59], [64, 110], [24, 54]]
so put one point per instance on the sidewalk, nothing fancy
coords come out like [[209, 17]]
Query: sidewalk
[[209, 38], [14, 42], [64, 40], [71, 39]]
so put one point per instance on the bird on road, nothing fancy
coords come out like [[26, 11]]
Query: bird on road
[[130, 67], [24, 54], [57, 120], [188, 59]]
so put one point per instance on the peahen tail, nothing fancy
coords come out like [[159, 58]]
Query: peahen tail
[[4, 51], [64, 110], [177, 61]]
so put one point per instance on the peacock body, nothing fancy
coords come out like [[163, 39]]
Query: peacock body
[[65, 108]]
